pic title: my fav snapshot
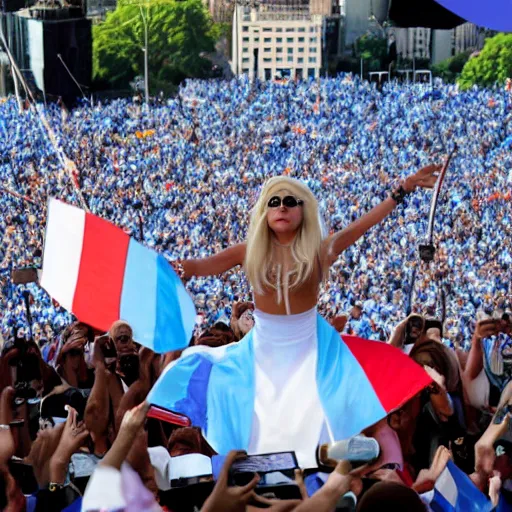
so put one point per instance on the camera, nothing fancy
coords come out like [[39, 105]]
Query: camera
[[427, 252]]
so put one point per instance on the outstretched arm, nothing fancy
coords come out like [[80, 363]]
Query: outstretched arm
[[337, 243], [217, 264]]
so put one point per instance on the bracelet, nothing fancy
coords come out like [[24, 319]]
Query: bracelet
[[5, 427], [53, 486], [398, 194]]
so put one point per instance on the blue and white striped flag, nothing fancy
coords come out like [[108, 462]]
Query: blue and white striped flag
[[455, 492]]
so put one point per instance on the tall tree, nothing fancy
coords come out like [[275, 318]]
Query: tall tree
[[492, 65], [178, 33]]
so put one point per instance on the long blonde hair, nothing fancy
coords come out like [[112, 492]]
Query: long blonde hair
[[305, 249]]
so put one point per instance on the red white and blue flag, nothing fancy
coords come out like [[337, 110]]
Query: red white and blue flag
[[359, 382], [100, 274]]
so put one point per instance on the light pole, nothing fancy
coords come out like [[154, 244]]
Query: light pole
[[145, 50]]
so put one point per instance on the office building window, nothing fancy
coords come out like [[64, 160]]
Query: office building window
[[245, 60], [245, 39], [290, 59], [267, 59], [301, 49], [301, 40], [268, 73], [290, 29], [301, 29], [311, 72], [267, 50], [267, 39], [300, 60], [312, 29], [279, 59], [267, 29], [245, 71], [289, 39], [312, 39], [256, 39], [312, 49], [312, 60], [245, 28], [245, 50], [290, 51], [279, 29], [279, 50], [279, 39]]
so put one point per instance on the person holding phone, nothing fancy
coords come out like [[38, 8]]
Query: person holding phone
[[286, 259], [489, 366]]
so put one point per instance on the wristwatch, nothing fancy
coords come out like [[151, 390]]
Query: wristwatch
[[53, 487]]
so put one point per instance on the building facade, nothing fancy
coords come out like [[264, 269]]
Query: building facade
[[413, 43], [437, 44], [284, 43]]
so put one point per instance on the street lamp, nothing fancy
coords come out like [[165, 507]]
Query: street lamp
[[145, 50]]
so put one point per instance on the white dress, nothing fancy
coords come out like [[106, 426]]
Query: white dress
[[288, 415]]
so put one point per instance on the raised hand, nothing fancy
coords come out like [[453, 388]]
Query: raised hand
[[230, 499], [436, 376], [486, 329], [133, 420], [426, 177], [73, 437]]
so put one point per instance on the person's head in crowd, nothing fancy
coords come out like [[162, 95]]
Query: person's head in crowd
[[414, 329], [287, 210], [391, 496], [70, 362], [218, 335], [22, 366], [357, 311], [242, 318], [122, 335], [127, 362], [339, 322], [403, 422], [187, 440]]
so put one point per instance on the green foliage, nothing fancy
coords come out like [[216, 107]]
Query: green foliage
[[373, 50], [492, 65], [450, 69], [178, 32]]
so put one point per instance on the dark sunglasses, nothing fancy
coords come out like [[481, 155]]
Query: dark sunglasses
[[124, 338], [288, 201]]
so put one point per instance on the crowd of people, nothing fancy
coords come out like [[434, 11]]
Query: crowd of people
[[172, 175], [181, 177]]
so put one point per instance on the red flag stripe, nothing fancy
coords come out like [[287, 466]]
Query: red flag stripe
[[100, 278], [382, 363]]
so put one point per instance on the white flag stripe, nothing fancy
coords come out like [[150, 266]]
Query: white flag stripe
[[65, 226], [447, 487]]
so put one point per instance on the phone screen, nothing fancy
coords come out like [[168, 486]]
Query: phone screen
[[159, 413], [283, 461]]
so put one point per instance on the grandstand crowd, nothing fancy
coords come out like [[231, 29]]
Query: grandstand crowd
[[181, 176]]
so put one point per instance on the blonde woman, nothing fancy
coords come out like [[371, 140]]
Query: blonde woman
[[289, 399]]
